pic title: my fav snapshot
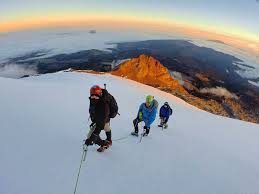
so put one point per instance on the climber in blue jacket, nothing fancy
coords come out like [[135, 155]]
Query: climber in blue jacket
[[147, 113], [164, 114]]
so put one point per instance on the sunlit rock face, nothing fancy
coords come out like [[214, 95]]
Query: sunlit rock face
[[148, 70]]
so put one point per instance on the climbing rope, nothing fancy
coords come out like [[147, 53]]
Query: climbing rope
[[122, 138], [82, 159]]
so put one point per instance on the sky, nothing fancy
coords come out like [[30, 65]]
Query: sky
[[233, 17]]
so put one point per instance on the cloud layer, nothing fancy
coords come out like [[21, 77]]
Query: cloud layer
[[219, 91], [16, 71]]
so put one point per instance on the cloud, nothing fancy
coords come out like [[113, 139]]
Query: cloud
[[177, 76], [16, 71], [254, 83], [219, 91]]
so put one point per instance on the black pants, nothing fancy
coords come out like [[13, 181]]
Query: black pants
[[94, 136], [136, 121]]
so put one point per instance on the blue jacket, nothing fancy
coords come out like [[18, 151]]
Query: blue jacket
[[165, 112], [148, 113]]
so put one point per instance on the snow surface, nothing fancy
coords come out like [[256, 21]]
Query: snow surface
[[44, 121]]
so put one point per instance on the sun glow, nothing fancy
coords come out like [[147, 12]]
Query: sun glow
[[120, 22]]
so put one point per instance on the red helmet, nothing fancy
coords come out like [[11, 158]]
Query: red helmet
[[95, 90]]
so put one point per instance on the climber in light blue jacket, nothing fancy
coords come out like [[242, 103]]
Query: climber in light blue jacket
[[147, 113]]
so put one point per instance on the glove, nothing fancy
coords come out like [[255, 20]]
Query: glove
[[88, 142], [91, 140], [140, 116]]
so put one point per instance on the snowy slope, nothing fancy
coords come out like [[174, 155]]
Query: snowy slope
[[44, 121]]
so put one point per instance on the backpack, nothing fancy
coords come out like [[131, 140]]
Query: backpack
[[92, 110], [170, 110], [156, 104], [113, 106]]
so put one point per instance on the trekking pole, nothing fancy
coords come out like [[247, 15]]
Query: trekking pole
[[162, 124], [85, 149], [142, 134]]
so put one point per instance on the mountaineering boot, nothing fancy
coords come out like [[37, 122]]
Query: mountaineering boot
[[109, 142], [134, 133], [104, 146]]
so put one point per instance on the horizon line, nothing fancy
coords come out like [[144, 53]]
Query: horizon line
[[126, 22]]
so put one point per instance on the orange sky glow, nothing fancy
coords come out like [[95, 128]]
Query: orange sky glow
[[128, 23]]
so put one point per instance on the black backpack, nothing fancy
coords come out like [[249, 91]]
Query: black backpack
[[170, 109], [113, 106]]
